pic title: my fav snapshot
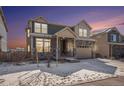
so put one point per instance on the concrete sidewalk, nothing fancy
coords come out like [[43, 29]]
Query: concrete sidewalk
[[117, 81]]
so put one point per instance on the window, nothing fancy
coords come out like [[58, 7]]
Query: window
[[85, 33], [113, 37], [43, 45], [37, 27], [40, 28], [44, 28], [82, 32], [28, 48], [46, 45], [39, 45], [28, 32]]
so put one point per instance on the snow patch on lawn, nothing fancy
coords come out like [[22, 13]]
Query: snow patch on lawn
[[39, 78]]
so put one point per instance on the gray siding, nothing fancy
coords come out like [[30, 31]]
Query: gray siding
[[83, 26]]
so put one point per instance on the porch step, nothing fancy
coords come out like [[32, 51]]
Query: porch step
[[72, 60]]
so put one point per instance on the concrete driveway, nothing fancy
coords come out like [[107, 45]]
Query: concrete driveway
[[87, 70], [64, 69], [88, 64]]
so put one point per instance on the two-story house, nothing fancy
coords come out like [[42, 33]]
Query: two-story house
[[109, 43], [3, 32], [62, 40]]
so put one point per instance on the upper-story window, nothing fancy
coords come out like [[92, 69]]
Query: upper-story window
[[82, 32], [44, 28], [40, 28], [85, 32], [113, 37], [37, 27]]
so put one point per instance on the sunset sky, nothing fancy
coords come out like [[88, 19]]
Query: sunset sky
[[97, 18]]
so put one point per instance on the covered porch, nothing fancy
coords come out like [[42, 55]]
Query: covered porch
[[65, 43]]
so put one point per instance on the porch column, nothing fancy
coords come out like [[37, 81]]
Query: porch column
[[57, 48]]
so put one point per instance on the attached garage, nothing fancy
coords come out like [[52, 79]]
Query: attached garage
[[83, 53], [84, 49], [117, 50]]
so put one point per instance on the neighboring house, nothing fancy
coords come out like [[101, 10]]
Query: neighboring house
[[3, 32], [63, 41], [109, 43]]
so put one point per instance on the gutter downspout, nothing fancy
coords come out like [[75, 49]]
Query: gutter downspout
[[57, 49]]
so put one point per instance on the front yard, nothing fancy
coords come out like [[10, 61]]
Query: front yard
[[61, 74]]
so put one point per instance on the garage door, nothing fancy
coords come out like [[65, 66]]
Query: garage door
[[83, 53]]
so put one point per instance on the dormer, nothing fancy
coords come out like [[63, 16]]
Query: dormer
[[38, 25], [82, 29], [114, 35]]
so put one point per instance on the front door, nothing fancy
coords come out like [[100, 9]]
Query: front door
[[67, 47]]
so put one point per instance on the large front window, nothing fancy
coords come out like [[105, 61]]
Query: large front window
[[43, 45], [41, 28]]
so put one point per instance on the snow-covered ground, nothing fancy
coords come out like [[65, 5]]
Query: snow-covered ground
[[37, 77], [62, 74]]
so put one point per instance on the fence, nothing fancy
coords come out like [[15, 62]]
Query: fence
[[16, 56]]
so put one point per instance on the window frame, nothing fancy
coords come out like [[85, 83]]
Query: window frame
[[28, 48], [41, 28], [35, 27], [80, 33], [113, 38], [28, 32], [83, 32], [44, 41]]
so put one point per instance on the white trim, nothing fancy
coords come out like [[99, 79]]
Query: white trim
[[41, 35], [116, 43]]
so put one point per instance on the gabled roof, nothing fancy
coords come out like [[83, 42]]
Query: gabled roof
[[54, 28], [83, 21], [105, 30], [3, 18], [69, 29], [39, 19]]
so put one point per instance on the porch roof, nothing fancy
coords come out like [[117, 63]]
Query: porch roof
[[66, 32], [116, 43]]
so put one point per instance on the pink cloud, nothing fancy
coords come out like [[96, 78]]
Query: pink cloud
[[115, 21]]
